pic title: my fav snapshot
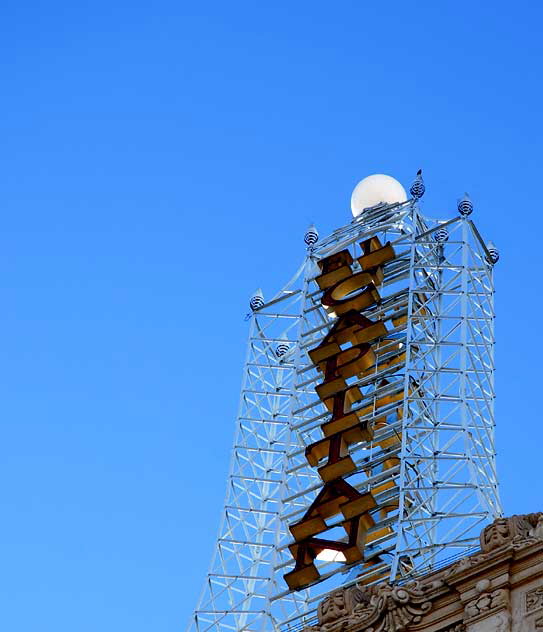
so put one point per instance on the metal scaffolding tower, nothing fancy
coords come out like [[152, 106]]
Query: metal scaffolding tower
[[429, 398]]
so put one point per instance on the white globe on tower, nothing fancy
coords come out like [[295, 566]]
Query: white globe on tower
[[376, 189]]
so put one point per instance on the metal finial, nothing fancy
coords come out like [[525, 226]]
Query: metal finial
[[257, 300], [417, 188], [441, 235], [311, 236], [493, 254], [465, 205]]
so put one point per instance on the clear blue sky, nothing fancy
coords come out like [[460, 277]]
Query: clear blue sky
[[159, 161]]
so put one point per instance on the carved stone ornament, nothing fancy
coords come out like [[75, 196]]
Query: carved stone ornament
[[341, 603], [515, 532], [381, 608], [394, 608], [534, 599], [537, 531], [486, 603], [505, 531], [465, 563]]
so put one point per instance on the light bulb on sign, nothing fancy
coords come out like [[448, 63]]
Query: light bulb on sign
[[330, 555]]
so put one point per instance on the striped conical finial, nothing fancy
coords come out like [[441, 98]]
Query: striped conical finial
[[465, 205], [493, 254], [441, 235], [311, 236], [417, 188], [257, 300], [282, 347]]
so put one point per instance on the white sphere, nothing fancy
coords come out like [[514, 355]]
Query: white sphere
[[376, 189]]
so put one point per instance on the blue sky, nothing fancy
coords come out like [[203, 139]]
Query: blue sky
[[161, 161]]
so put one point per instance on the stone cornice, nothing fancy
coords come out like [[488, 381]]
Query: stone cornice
[[375, 608], [472, 589]]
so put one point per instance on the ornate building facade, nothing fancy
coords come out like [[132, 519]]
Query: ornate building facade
[[499, 589]]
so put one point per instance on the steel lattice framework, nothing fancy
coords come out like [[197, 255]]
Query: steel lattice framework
[[431, 461]]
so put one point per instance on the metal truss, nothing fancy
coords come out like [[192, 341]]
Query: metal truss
[[429, 398]]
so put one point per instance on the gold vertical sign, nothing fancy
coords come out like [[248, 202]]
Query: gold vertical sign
[[349, 350]]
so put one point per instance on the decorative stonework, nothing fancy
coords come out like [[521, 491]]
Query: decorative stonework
[[381, 608], [537, 531], [471, 595], [465, 564], [504, 530], [486, 603], [515, 533], [341, 603], [534, 599]]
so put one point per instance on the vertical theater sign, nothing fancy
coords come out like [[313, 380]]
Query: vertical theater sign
[[355, 348], [364, 443]]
